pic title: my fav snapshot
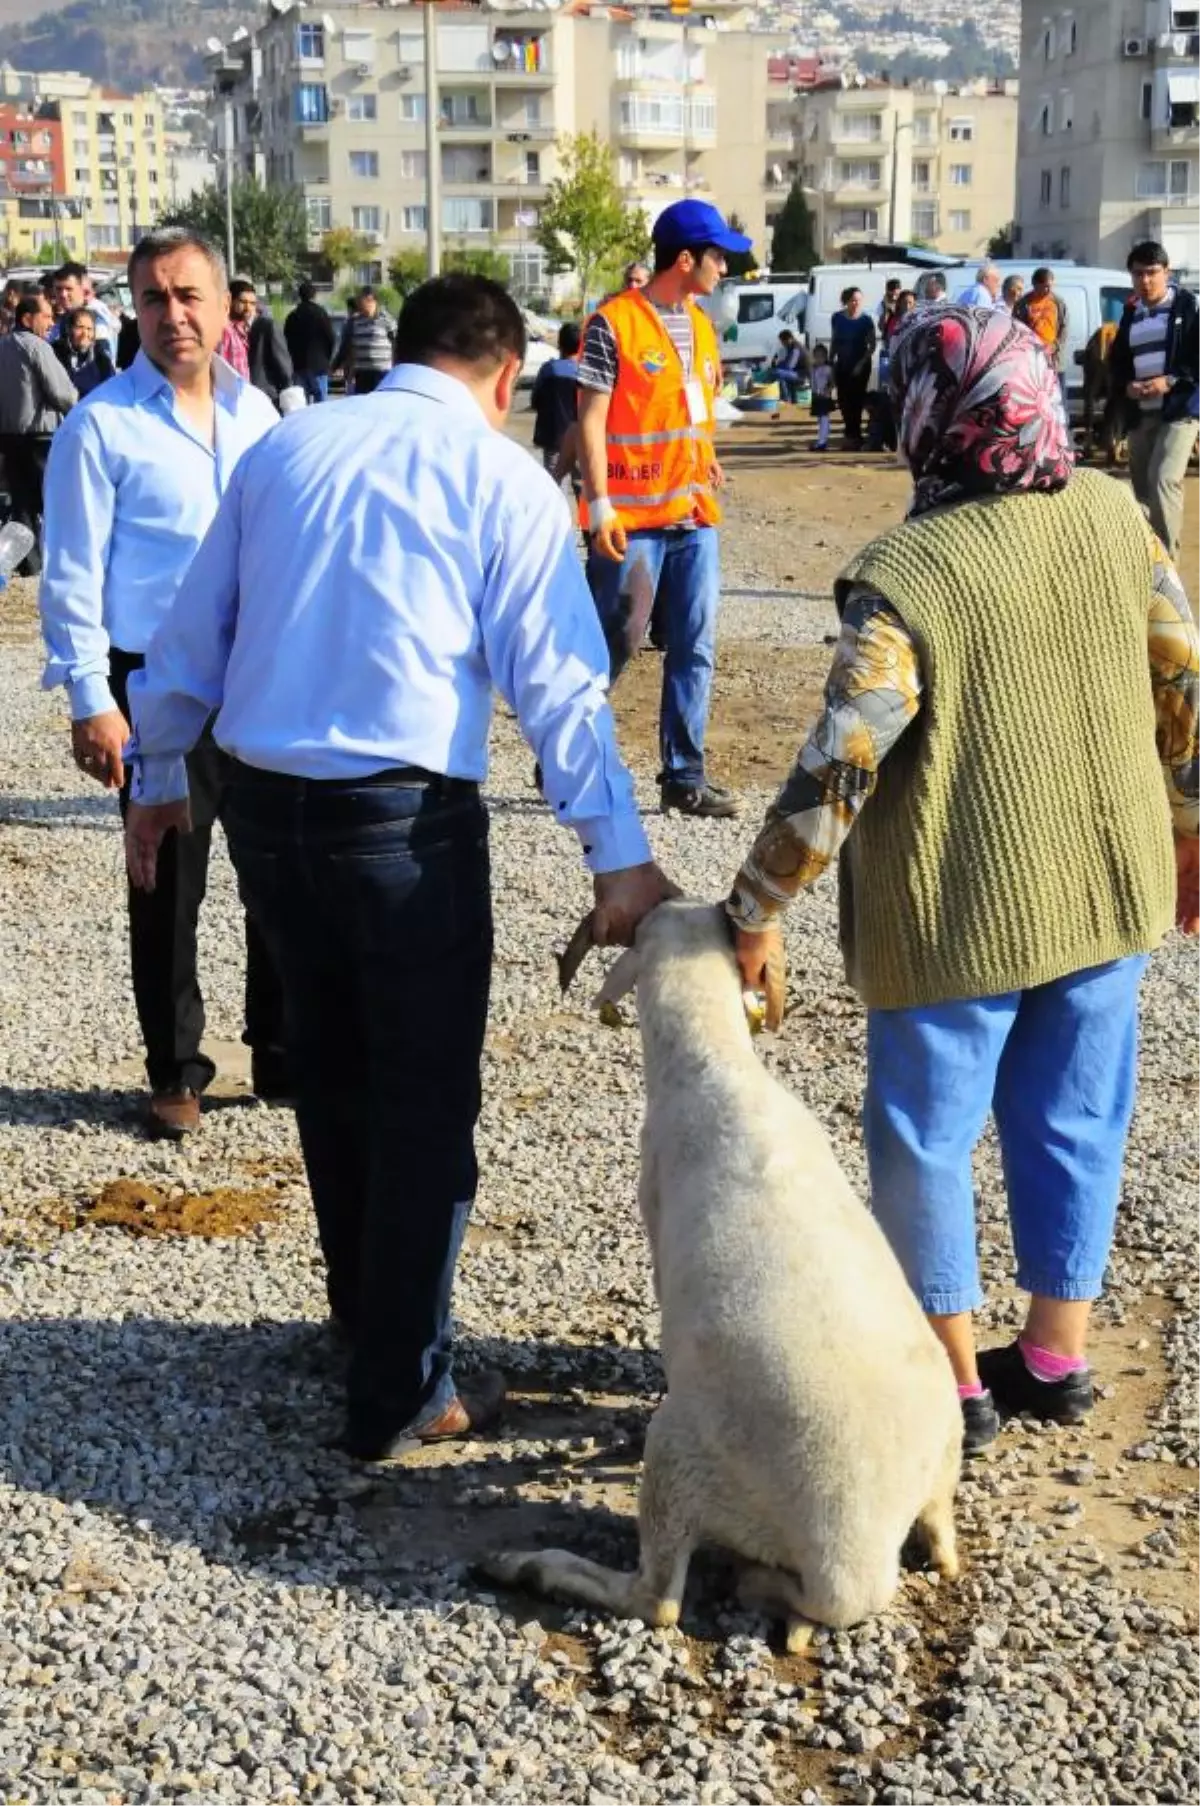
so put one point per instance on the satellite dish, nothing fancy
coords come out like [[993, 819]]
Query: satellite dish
[[501, 51], [214, 46]]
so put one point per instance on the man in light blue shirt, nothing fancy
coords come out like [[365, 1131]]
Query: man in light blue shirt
[[132, 486], [375, 570], [985, 290]]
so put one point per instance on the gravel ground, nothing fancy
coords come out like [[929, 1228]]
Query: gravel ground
[[199, 1596]]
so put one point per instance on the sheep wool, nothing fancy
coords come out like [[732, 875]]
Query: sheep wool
[[1019, 829]]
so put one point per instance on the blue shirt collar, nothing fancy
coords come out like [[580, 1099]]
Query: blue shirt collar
[[149, 380], [434, 385]]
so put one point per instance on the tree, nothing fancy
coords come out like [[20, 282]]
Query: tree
[[793, 243], [584, 224], [342, 248], [270, 227], [739, 263], [51, 255], [1000, 244], [407, 269]]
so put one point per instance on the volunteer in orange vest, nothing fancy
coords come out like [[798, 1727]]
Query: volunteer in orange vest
[[648, 381]]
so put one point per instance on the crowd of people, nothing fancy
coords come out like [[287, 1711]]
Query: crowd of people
[[296, 628]]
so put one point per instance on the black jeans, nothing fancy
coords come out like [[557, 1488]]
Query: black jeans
[[25, 457], [163, 922], [852, 396], [375, 897]]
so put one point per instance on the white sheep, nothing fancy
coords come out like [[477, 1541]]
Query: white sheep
[[811, 1417]]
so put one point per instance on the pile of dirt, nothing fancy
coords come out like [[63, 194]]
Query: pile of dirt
[[142, 1209]]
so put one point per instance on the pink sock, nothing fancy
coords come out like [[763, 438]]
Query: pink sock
[[1044, 1365], [975, 1390]]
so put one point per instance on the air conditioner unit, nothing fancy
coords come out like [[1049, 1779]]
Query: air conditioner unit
[[404, 73], [1133, 47], [373, 238], [362, 70]]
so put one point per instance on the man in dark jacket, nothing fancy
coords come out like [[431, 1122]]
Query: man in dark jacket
[[267, 355], [1153, 369], [310, 340]]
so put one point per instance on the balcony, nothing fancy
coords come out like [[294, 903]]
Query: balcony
[[855, 143], [464, 131], [1176, 46], [1175, 137]]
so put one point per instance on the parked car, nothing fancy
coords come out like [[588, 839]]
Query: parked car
[[749, 316]]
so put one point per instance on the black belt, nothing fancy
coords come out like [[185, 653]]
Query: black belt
[[394, 777]]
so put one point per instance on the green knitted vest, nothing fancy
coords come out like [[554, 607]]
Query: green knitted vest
[[1019, 830]]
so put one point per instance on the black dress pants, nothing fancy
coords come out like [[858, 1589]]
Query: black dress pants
[[25, 457], [163, 922], [852, 397]]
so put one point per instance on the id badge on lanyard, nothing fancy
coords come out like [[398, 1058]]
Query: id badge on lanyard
[[697, 402]]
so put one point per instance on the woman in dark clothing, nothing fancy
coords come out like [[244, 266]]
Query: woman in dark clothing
[[84, 357], [851, 348]]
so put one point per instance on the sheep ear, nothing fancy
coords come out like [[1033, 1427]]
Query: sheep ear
[[621, 979]]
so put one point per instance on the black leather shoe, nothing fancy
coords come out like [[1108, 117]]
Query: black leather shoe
[[981, 1423], [1016, 1390], [704, 800]]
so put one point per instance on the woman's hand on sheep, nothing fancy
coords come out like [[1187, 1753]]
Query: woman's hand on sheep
[[623, 898], [763, 966]]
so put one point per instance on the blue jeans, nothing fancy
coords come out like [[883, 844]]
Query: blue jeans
[[316, 388], [374, 898], [683, 566], [1057, 1065]]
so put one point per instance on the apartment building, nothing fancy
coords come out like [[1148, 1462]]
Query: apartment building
[[105, 184], [1110, 130], [927, 162], [335, 103]]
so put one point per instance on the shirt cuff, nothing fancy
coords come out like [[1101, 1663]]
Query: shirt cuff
[[612, 842], [748, 911], [157, 778], [90, 696]]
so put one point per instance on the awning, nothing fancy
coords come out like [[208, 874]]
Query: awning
[[1183, 87]]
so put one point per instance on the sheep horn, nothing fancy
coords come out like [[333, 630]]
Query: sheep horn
[[577, 949]]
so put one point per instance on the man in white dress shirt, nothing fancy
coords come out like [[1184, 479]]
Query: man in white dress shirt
[[374, 571], [132, 486]]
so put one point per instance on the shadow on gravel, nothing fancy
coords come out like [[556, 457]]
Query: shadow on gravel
[[60, 812], [60, 1105], [223, 1438]]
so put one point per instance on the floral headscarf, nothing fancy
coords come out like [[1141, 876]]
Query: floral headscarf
[[978, 406]]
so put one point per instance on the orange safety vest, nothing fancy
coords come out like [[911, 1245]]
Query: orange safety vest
[[659, 459]]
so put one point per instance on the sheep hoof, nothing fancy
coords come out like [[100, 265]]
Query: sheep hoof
[[947, 1566], [800, 1633], [666, 1614]]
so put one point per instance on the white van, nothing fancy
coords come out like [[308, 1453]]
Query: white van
[[749, 317], [827, 281]]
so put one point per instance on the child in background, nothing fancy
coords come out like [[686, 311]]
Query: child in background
[[822, 394]]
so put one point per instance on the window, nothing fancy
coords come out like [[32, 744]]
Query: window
[[1046, 119], [924, 221], [1147, 100], [925, 128], [1112, 305], [1046, 188], [82, 148], [1064, 186], [753, 308], [360, 107], [1183, 96], [310, 43], [147, 122], [1048, 43], [922, 176], [1164, 181], [366, 274], [1066, 111], [702, 114], [310, 103], [366, 219], [860, 175], [104, 238], [533, 112], [661, 114], [1070, 36], [959, 221], [859, 128], [463, 47], [358, 47], [82, 178], [79, 118], [365, 164], [319, 209], [465, 163], [412, 165], [467, 215], [410, 48], [533, 166], [528, 265], [126, 118], [152, 178], [962, 131], [412, 219], [960, 175], [412, 108], [463, 109]]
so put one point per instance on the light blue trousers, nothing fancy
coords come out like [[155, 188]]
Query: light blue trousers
[[1057, 1066]]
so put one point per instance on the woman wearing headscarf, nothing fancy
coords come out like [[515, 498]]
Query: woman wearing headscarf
[[1016, 675]]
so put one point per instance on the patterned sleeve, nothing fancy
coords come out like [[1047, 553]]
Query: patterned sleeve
[[1174, 677], [872, 693], [598, 360]]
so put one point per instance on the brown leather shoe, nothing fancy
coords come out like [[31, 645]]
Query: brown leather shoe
[[475, 1407], [175, 1113]]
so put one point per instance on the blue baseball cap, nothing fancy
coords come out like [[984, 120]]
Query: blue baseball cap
[[696, 223]]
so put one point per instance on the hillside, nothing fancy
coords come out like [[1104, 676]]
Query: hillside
[[130, 44]]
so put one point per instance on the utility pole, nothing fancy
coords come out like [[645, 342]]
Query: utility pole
[[228, 135], [433, 150]]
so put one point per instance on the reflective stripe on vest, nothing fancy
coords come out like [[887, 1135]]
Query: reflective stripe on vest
[[659, 458]]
